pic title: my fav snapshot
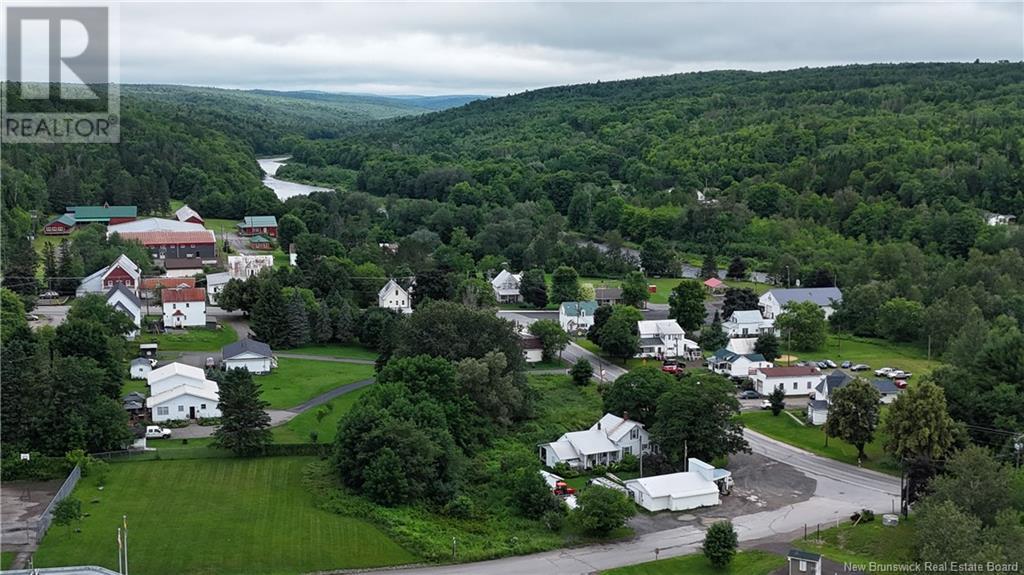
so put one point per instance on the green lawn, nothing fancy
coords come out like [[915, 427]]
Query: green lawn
[[6, 558], [874, 352], [296, 380], [631, 363], [337, 350], [863, 543], [224, 516], [194, 339], [297, 430], [784, 428], [744, 563], [131, 385]]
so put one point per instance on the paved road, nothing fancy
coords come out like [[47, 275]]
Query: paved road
[[840, 490], [325, 358], [573, 352]]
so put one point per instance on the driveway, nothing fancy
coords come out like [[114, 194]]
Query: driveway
[[603, 370], [839, 491]]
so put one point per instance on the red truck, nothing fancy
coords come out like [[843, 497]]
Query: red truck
[[671, 366]]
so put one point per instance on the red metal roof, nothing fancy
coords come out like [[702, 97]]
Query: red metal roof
[[183, 295], [154, 283], [794, 371], [170, 238], [714, 282]]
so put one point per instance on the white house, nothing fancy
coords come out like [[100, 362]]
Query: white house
[[184, 402], [773, 302], [254, 356], [243, 267], [533, 351], [215, 283], [506, 287], [736, 365], [607, 441], [747, 323], [175, 375], [394, 296], [184, 307], [123, 271], [662, 338], [141, 368], [803, 563], [793, 380], [818, 407], [125, 301], [679, 491], [576, 316]]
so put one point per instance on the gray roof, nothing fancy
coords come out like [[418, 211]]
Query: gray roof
[[607, 293], [805, 555], [818, 404], [726, 355], [579, 308], [127, 293], [140, 361], [885, 386], [822, 296], [649, 341], [246, 345]]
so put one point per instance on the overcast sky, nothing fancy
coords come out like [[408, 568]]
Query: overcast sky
[[489, 48]]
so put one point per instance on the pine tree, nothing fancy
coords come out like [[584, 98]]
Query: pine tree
[[343, 320], [269, 316], [323, 329], [50, 270], [244, 422], [296, 321]]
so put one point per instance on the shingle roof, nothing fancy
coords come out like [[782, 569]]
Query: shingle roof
[[746, 316], [183, 295], [185, 212], [805, 555], [155, 283], [789, 371], [885, 386], [246, 346], [98, 213], [392, 284], [176, 369], [822, 296], [578, 308], [612, 293], [258, 222], [127, 293], [218, 278]]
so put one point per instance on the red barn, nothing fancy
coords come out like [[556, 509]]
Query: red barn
[[258, 225], [61, 226]]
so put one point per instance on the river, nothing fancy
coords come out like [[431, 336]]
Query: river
[[282, 188]]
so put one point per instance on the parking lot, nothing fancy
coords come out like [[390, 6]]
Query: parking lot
[[21, 504]]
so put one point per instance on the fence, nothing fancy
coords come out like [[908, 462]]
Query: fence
[[69, 484]]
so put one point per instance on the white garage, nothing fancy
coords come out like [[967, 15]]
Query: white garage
[[678, 491], [249, 354]]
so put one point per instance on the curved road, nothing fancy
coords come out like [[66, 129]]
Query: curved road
[[841, 490]]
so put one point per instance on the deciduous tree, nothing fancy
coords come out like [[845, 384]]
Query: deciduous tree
[[534, 288], [853, 414], [602, 510], [686, 305], [636, 394], [698, 418], [552, 337], [803, 323], [565, 285]]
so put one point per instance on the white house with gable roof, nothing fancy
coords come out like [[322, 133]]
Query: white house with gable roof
[[394, 296], [179, 391], [698, 487], [125, 301], [663, 338], [747, 323], [607, 441], [506, 287], [773, 302], [122, 271]]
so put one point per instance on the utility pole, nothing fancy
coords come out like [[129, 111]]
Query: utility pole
[[686, 455]]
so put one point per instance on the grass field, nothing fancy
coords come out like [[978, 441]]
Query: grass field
[[337, 350], [874, 352], [864, 543], [131, 385], [784, 428], [296, 380], [744, 563], [205, 516], [6, 558], [297, 430], [194, 339]]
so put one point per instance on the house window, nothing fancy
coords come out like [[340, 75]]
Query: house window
[[634, 433], [161, 411], [794, 385], [627, 450], [808, 385], [202, 406], [181, 408], [803, 566], [186, 305]]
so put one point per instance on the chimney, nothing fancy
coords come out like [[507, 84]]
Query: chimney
[[625, 416]]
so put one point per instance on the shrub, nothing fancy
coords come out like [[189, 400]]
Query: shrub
[[563, 469], [599, 470], [38, 468], [602, 510], [554, 520], [629, 462], [208, 421], [462, 507], [313, 436], [720, 543]]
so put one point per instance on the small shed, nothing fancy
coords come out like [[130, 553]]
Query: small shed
[[141, 367], [249, 354], [803, 562], [148, 350], [260, 242]]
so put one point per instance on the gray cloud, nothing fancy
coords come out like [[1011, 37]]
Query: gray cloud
[[496, 48]]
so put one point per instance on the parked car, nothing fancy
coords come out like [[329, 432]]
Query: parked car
[[749, 394], [899, 374], [157, 432], [900, 383], [767, 404], [860, 367], [822, 364], [801, 364], [671, 366], [884, 371], [831, 363], [846, 364]]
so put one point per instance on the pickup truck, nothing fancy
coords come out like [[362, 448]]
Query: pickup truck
[[157, 432], [672, 367]]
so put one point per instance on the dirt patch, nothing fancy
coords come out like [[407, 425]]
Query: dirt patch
[[762, 484], [21, 505]]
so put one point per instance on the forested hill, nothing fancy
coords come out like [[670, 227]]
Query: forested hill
[[788, 143]]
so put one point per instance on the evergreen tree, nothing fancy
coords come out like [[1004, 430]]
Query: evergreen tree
[[581, 372], [709, 268], [296, 321], [270, 316], [344, 321], [686, 305], [565, 285], [738, 299], [767, 344], [50, 270], [720, 543], [713, 336], [534, 288], [244, 422], [323, 327], [737, 269]]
